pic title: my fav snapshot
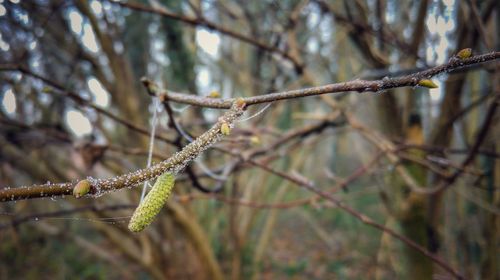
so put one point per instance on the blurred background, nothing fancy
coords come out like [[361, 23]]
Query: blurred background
[[72, 105]]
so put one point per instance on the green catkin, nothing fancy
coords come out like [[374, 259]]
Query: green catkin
[[152, 203]]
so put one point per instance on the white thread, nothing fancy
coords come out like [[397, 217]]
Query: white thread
[[151, 142], [179, 110], [209, 172], [110, 220], [182, 132], [87, 219], [256, 114]]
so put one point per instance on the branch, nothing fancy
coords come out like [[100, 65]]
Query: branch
[[100, 186], [445, 150], [172, 123], [180, 160], [477, 144], [360, 86], [361, 217]]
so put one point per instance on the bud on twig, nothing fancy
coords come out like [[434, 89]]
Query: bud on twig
[[427, 83], [81, 188], [225, 129], [214, 94], [464, 53]]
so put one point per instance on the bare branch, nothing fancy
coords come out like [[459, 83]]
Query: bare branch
[[363, 218], [100, 186], [360, 86], [179, 160]]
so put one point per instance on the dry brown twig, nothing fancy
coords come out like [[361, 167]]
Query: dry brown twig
[[362, 218], [360, 86]]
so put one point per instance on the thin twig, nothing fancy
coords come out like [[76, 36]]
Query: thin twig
[[38, 216], [477, 144], [361, 217], [360, 86]]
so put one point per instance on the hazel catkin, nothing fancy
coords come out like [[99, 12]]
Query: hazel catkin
[[145, 213]]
